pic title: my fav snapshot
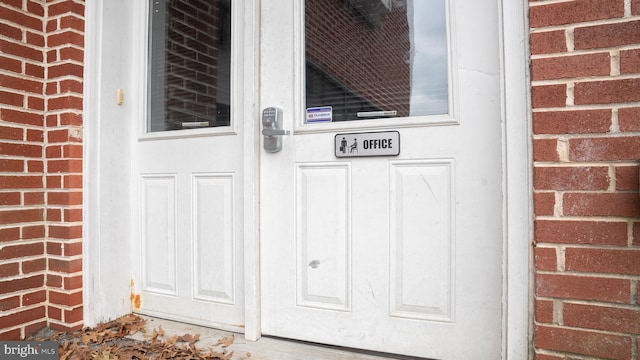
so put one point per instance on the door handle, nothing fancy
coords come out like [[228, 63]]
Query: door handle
[[272, 129], [274, 132]]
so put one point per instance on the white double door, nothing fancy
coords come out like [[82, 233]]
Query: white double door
[[399, 254]]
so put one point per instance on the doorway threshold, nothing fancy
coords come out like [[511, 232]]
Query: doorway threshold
[[266, 348]]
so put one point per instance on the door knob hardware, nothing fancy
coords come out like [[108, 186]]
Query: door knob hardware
[[274, 132], [272, 129]]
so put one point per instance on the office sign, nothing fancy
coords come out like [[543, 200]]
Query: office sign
[[383, 143]]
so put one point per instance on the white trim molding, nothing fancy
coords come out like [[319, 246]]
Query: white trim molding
[[106, 287], [518, 210]]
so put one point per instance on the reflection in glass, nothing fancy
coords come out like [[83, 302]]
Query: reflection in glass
[[189, 64], [376, 58]]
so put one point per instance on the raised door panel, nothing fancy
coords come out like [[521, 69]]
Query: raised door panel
[[158, 204], [213, 237], [422, 243], [323, 236]]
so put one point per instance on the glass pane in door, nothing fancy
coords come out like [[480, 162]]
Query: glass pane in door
[[189, 64], [369, 59]]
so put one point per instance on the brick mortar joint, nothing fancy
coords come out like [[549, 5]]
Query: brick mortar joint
[[584, 24], [62, 191], [595, 218], [67, 111], [590, 330], [607, 191], [543, 351], [25, 60], [64, 307], [570, 165], [584, 52], [22, 109], [64, 274], [587, 107], [23, 276], [65, 324], [602, 107], [65, 258], [65, 77], [63, 95], [25, 291], [23, 42], [589, 275], [63, 291], [64, 30], [69, 77], [65, 47], [36, 205], [547, 2], [596, 192], [600, 304], [21, 327], [582, 80], [66, 242], [598, 247], [587, 136], [65, 224], [21, 242]]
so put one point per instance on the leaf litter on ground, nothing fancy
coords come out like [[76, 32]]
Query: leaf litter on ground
[[110, 341]]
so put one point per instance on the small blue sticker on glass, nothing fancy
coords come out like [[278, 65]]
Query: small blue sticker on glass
[[319, 114]]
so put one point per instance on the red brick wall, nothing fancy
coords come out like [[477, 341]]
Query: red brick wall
[[41, 54], [586, 124], [585, 69]]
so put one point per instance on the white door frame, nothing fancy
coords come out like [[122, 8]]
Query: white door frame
[[106, 229], [517, 184]]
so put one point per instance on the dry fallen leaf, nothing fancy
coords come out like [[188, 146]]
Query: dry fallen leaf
[[172, 340], [108, 341], [104, 356], [93, 337], [225, 341], [191, 339]]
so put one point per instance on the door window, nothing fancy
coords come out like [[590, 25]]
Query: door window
[[375, 59], [189, 64]]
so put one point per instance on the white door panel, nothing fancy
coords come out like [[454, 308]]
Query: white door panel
[[323, 213], [190, 231], [158, 233], [188, 185], [421, 243], [399, 254]]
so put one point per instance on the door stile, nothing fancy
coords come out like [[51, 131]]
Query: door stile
[[248, 91]]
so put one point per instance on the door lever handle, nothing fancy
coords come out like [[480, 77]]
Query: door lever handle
[[274, 132], [272, 129]]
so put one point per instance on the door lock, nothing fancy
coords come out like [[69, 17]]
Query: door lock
[[272, 129]]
